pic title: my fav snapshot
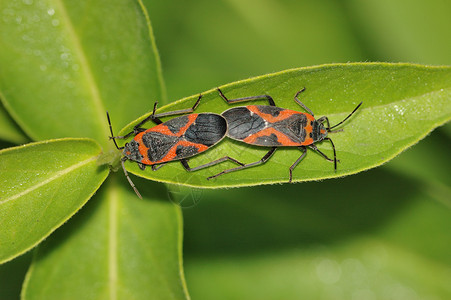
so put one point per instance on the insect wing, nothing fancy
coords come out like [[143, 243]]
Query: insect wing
[[268, 126]]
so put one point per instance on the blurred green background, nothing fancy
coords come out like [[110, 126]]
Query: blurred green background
[[382, 234]]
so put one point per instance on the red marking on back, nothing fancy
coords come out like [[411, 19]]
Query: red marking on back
[[163, 129], [142, 148], [308, 129], [308, 141], [283, 114], [281, 138], [147, 161], [171, 155]]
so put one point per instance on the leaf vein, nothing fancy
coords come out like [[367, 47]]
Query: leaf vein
[[48, 180], [85, 66]]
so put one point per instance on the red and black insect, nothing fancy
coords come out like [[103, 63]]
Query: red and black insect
[[272, 126], [177, 139]]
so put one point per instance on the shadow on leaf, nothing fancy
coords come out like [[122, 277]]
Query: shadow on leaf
[[268, 218]]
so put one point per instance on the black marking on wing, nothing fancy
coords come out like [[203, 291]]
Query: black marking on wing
[[174, 125], [242, 122], [185, 151], [267, 140], [296, 125], [270, 110], [208, 129], [159, 144]]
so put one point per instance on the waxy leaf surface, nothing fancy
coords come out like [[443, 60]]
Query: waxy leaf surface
[[402, 103], [117, 247], [43, 185]]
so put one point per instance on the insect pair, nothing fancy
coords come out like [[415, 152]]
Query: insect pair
[[262, 125]]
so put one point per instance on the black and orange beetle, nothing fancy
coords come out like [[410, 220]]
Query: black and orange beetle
[[272, 126]]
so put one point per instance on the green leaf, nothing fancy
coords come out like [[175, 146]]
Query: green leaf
[[43, 185], [12, 275], [377, 235], [64, 63], [428, 163], [393, 32], [447, 130], [117, 247], [9, 131], [402, 103], [201, 52]]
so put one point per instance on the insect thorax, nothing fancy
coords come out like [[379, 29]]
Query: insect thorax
[[319, 132]]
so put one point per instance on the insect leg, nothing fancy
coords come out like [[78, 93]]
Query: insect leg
[[313, 147], [261, 161], [128, 178], [304, 151], [324, 118], [112, 137], [259, 97], [157, 167], [156, 117], [176, 112], [300, 103], [212, 163]]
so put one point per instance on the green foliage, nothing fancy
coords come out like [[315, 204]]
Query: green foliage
[[115, 232], [9, 131], [55, 63], [379, 234], [63, 64], [43, 185], [402, 103]]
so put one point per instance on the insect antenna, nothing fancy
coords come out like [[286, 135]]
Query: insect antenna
[[112, 137], [329, 129], [128, 178]]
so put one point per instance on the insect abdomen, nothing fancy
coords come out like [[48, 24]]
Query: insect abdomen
[[268, 126]]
